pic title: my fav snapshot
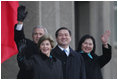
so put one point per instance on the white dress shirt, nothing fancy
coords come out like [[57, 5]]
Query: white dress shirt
[[67, 50], [19, 27]]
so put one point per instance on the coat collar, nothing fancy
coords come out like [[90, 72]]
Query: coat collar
[[59, 51], [44, 57]]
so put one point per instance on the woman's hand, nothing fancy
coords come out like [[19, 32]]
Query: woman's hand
[[105, 37]]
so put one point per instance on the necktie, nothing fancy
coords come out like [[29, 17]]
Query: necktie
[[66, 52]]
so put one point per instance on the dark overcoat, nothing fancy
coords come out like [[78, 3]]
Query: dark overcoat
[[32, 63], [93, 66], [26, 49], [73, 65], [47, 67]]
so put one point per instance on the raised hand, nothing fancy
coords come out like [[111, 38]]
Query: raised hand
[[105, 37], [21, 13]]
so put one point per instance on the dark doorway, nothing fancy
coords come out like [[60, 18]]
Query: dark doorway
[[81, 20]]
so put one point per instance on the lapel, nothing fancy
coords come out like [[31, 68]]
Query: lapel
[[72, 53], [57, 52]]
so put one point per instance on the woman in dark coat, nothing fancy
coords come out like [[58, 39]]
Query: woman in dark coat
[[42, 65], [46, 66], [94, 63]]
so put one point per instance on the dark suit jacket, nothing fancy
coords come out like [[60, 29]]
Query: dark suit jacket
[[73, 65], [29, 49]]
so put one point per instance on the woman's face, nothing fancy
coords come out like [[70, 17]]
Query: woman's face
[[87, 45], [45, 47]]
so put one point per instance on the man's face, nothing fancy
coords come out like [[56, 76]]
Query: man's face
[[38, 32], [63, 38]]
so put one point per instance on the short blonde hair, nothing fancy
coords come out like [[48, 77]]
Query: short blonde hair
[[46, 37]]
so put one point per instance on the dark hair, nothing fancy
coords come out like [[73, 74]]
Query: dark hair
[[64, 28], [87, 36]]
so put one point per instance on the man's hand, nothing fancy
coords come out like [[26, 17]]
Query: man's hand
[[21, 13]]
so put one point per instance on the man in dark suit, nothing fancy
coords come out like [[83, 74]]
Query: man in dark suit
[[25, 46], [72, 62]]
